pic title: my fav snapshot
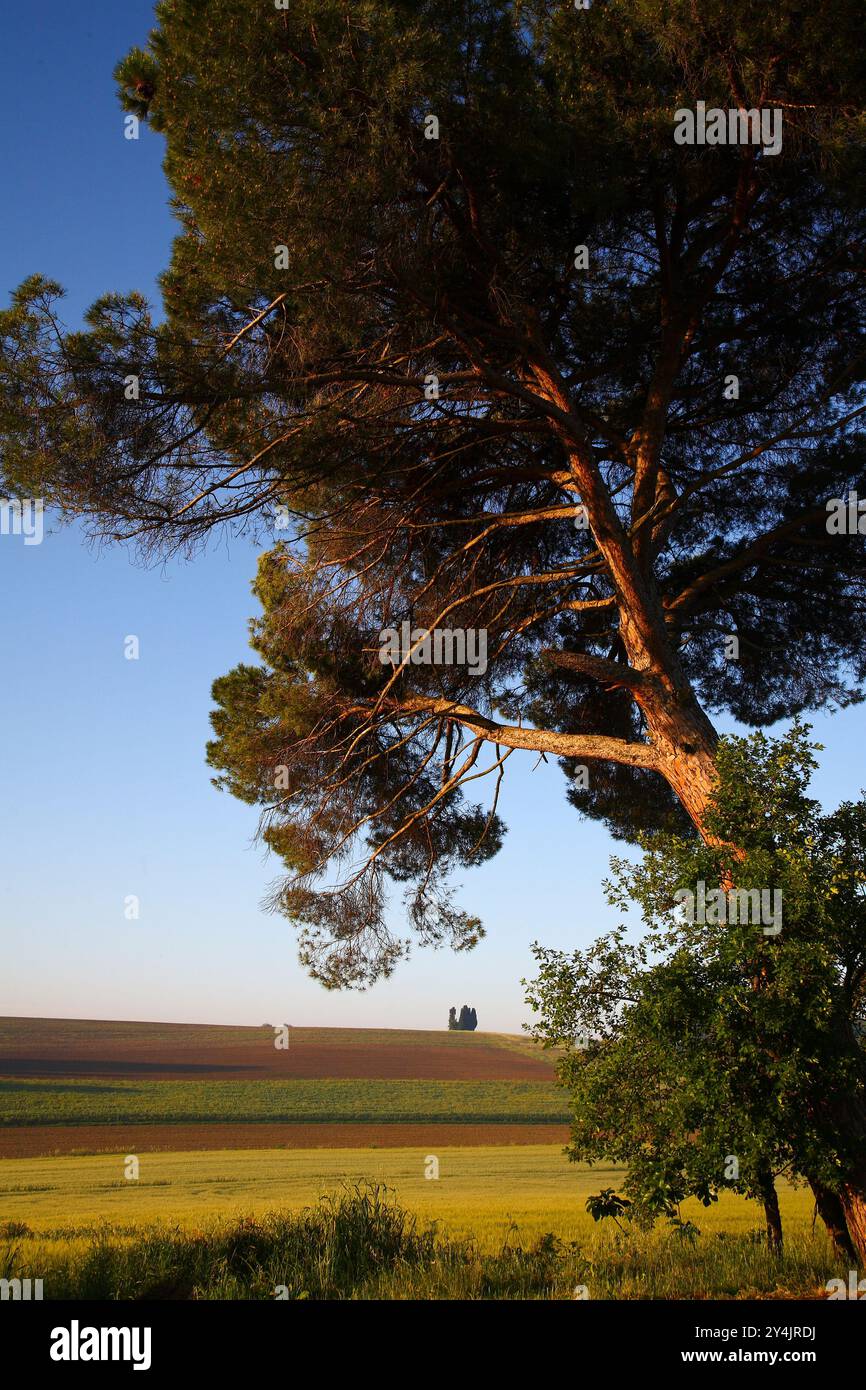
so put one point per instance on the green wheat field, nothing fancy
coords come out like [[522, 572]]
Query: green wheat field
[[303, 1101]]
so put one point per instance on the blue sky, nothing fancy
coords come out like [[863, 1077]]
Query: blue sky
[[104, 790]]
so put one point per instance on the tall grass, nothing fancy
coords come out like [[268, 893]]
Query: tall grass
[[358, 1243]]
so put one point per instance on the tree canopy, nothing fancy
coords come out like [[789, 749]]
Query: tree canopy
[[452, 309]]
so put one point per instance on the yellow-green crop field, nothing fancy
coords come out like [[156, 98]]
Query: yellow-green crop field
[[496, 1198], [479, 1191]]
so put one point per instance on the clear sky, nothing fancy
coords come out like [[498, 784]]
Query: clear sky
[[104, 791]]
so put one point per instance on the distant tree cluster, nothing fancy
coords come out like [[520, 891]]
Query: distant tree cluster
[[466, 1023]]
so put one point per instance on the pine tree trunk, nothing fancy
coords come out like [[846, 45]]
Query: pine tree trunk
[[686, 743]]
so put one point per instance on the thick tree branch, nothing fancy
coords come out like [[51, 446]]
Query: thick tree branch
[[610, 673], [592, 746]]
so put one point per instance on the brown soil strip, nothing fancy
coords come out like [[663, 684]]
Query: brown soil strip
[[35, 1141], [303, 1061]]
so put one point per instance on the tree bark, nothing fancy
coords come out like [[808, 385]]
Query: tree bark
[[847, 1116], [832, 1213], [772, 1214], [852, 1199], [685, 743]]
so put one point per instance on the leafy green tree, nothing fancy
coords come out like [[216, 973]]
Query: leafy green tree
[[650, 1088], [718, 1054]]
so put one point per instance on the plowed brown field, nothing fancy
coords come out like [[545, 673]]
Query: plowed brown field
[[178, 1052], [37, 1141]]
